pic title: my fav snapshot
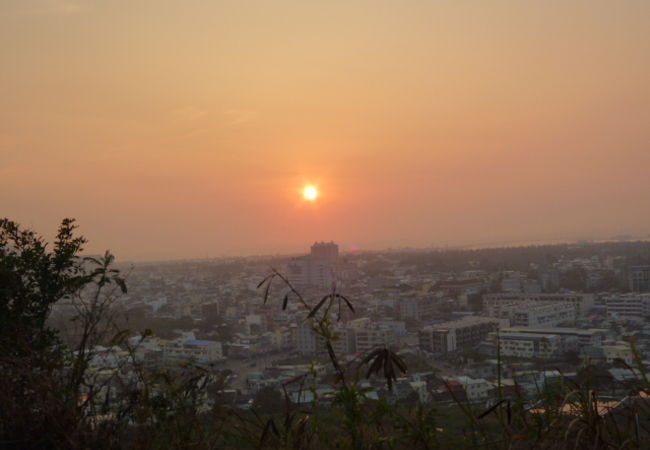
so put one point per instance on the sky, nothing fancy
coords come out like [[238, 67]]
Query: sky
[[188, 129]]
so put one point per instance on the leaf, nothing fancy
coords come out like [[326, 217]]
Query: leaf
[[263, 281], [268, 288], [398, 362], [374, 367], [384, 358], [371, 355], [122, 284], [270, 425], [313, 312], [489, 410], [332, 356], [347, 302]]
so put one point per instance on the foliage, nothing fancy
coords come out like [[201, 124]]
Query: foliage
[[43, 381]]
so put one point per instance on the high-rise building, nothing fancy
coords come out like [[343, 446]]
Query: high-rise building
[[318, 269], [306, 271], [327, 251]]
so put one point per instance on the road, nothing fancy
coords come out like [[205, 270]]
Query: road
[[257, 363]]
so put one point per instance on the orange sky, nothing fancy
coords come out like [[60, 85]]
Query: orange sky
[[177, 129]]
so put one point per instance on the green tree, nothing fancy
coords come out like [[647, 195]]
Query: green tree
[[32, 279]]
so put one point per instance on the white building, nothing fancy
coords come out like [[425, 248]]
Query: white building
[[534, 345], [584, 337], [608, 354], [537, 314], [202, 351], [475, 388], [493, 303], [626, 306]]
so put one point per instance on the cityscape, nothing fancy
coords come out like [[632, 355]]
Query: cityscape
[[545, 312]]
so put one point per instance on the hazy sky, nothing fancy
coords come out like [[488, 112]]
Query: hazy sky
[[175, 129]]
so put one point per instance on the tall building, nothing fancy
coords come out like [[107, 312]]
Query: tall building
[[306, 271], [318, 269], [327, 251]]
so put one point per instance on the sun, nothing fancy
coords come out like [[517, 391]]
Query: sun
[[310, 193]]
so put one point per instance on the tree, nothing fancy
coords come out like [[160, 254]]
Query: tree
[[32, 279], [268, 400], [42, 380]]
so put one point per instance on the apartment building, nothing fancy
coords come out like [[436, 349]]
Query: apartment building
[[458, 334], [361, 336], [534, 345], [201, 351], [494, 303], [584, 337], [475, 388], [537, 314], [626, 306]]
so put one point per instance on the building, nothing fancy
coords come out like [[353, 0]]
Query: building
[[361, 336], [518, 282], [475, 388], [584, 337], [201, 351], [306, 271], [494, 303], [626, 306], [638, 278], [458, 334], [326, 251], [608, 354], [416, 308], [536, 314], [305, 339], [534, 345], [466, 286], [318, 269]]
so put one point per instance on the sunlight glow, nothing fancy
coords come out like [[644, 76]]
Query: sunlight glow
[[310, 193]]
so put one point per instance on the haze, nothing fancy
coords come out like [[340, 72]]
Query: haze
[[176, 129]]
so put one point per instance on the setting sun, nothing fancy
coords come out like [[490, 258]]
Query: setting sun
[[310, 193]]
